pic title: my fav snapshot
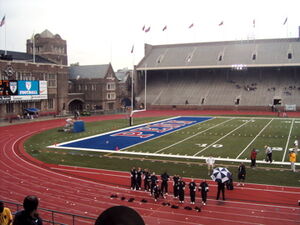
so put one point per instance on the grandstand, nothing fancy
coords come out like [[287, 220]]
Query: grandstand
[[252, 74]]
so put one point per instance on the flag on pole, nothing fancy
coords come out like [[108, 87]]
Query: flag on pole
[[143, 29], [286, 19], [165, 27], [132, 49], [2, 21], [221, 23], [190, 26], [148, 29]]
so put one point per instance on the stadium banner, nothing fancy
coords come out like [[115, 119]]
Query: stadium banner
[[125, 138], [290, 107], [28, 87]]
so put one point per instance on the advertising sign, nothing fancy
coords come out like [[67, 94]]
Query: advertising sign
[[28, 87]]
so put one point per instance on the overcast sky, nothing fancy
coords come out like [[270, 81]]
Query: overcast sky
[[99, 32]]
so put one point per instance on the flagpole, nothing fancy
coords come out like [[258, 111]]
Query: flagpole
[[5, 52], [33, 48]]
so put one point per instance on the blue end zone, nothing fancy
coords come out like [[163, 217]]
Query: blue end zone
[[128, 137]]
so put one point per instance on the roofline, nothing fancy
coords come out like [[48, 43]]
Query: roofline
[[218, 66], [227, 42]]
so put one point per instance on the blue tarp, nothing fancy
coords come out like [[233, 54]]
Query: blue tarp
[[33, 110]]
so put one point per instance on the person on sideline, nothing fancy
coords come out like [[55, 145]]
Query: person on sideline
[[210, 161], [5, 215], [221, 188], [29, 215], [293, 160], [241, 174], [193, 188], [204, 189], [253, 158]]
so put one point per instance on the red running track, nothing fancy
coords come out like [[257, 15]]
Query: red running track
[[87, 191]]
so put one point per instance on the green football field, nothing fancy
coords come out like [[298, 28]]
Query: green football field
[[227, 138]]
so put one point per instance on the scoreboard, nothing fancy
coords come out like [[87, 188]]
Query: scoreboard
[[18, 90]]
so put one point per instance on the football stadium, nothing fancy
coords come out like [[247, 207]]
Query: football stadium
[[203, 132]]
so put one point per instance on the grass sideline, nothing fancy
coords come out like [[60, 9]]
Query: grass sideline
[[264, 174]]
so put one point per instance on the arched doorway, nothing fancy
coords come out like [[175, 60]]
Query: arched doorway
[[76, 105]]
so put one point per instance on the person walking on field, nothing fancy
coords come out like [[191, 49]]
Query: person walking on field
[[268, 154], [253, 158], [293, 160], [210, 161]]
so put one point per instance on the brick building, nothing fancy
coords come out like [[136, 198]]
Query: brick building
[[93, 87], [48, 63]]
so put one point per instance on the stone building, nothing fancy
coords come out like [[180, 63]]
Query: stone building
[[93, 87]]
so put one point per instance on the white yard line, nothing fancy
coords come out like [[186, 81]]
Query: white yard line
[[191, 136], [288, 140], [254, 139], [223, 137]]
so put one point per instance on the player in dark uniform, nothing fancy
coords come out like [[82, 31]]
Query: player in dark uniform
[[175, 185], [154, 180], [139, 174], [181, 187], [164, 184], [133, 176], [204, 189], [193, 188], [147, 179]]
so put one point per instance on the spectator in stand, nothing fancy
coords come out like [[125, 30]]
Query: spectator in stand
[[293, 160], [29, 215], [253, 157], [210, 161], [204, 189], [241, 174], [175, 185], [5, 215], [268, 154], [193, 188], [164, 184]]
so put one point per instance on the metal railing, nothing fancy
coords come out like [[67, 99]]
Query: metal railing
[[52, 216]]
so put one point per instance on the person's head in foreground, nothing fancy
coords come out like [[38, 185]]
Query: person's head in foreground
[[119, 215]]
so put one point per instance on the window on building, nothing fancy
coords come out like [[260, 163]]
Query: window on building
[[50, 103], [110, 86], [51, 80], [9, 108], [111, 96]]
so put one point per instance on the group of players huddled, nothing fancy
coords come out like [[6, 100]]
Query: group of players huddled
[[151, 184]]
